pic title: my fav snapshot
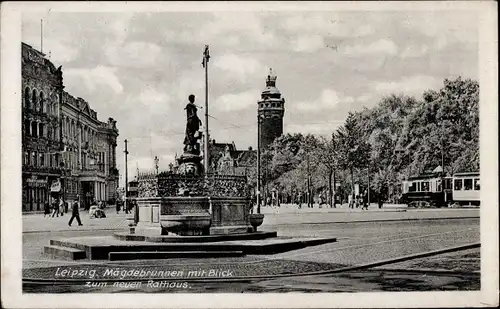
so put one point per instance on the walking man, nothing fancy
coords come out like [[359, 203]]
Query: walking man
[[61, 207], [55, 208], [46, 210], [365, 201], [75, 212]]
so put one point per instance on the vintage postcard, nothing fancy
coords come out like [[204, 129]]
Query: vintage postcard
[[249, 154]]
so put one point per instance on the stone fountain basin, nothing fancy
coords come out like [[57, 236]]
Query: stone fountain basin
[[190, 224], [195, 215]]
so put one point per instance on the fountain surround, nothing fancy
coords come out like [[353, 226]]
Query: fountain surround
[[192, 204]]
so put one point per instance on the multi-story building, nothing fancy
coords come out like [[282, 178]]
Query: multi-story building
[[94, 175], [64, 144], [42, 86]]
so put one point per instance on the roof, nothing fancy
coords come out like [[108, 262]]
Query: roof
[[466, 174], [425, 176], [271, 90]]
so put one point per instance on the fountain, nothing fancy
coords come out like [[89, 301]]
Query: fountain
[[189, 213], [191, 202]]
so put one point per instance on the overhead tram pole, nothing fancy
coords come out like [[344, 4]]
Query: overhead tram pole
[[126, 176], [206, 57], [258, 163]]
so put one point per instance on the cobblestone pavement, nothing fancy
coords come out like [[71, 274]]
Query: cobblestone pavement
[[357, 242], [468, 261], [285, 215], [38, 223]]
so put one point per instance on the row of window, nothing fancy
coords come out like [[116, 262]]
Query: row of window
[[71, 131], [458, 184], [40, 129], [34, 100], [71, 160], [71, 186], [38, 159], [423, 186], [466, 184], [262, 105]]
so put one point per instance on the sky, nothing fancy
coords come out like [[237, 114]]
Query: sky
[[139, 68]]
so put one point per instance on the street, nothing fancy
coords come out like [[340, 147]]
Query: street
[[362, 237]]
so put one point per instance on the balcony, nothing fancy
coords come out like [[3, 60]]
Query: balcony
[[91, 172], [41, 169]]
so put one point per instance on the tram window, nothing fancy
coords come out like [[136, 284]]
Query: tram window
[[468, 184], [447, 184], [458, 184], [418, 186], [425, 186], [476, 184], [412, 187]]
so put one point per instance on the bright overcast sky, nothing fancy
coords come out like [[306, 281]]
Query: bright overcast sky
[[139, 68]]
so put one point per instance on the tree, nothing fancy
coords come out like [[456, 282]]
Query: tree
[[353, 149], [327, 155]]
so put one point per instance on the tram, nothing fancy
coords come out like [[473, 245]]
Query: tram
[[436, 190], [466, 188]]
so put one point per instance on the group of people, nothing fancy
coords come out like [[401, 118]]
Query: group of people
[[128, 209], [57, 208], [359, 200], [320, 200]]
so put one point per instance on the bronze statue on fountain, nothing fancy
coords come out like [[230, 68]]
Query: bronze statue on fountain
[[190, 160]]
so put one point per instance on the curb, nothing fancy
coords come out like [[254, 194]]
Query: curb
[[383, 220], [284, 224], [69, 230]]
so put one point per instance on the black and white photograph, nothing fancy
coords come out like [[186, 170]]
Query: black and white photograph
[[274, 154]]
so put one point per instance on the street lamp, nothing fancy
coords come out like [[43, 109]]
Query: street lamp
[[259, 121]]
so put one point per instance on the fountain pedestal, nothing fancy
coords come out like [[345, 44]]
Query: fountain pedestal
[[193, 215]]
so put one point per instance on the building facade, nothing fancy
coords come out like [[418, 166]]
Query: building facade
[[42, 87], [226, 159], [90, 152], [271, 110], [64, 145]]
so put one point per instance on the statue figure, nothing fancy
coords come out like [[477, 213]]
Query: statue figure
[[192, 126]]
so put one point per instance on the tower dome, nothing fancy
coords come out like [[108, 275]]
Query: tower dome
[[271, 91]]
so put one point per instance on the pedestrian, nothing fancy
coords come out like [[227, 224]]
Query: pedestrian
[[75, 212], [351, 200], [66, 206], [55, 208], [46, 209], [61, 207], [128, 206], [365, 201]]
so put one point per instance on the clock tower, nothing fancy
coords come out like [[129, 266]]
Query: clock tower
[[271, 109]]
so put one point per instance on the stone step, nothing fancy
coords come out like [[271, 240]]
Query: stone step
[[67, 244], [64, 252], [140, 255]]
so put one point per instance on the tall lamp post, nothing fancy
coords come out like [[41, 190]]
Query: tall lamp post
[[126, 176], [258, 162], [206, 57]]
